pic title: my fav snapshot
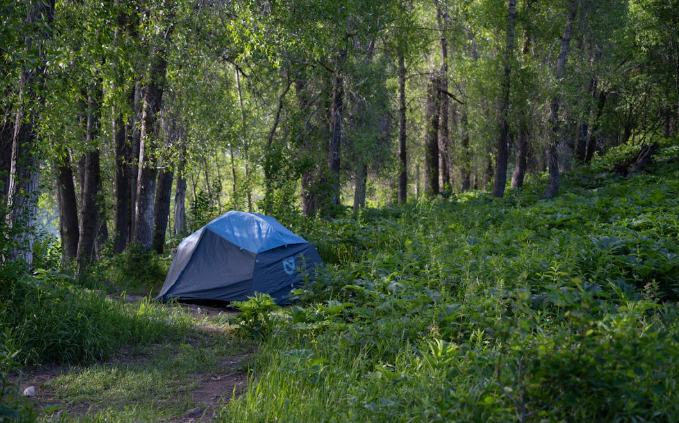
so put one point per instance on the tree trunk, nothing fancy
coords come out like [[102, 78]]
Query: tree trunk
[[180, 196], [431, 160], [123, 147], [336, 134], [443, 135], [134, 136], [102, 225], [521, 158], [24, 165], [150, 132], [123, 178], [246, 160], [594, 127], [500, 179], [68, 209], [360, 189], [90, 212], [402, 146], [91, 185], [6, 135], [268, 158], [162, 209], [583, 125], [552, 188], [465, 166]]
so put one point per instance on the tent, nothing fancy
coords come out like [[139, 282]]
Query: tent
[[236, 255]]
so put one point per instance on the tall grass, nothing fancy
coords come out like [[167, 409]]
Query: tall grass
[[51, 320]]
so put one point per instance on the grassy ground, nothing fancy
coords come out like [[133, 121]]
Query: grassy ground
[[153, 383]]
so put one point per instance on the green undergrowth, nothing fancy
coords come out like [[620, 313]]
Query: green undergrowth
[[482, 309], [49, 319]]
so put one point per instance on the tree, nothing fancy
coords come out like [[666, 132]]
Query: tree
[[24, 162], [553, 162], [500, 179]]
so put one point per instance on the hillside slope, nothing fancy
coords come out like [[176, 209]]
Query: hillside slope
[[478, 309]]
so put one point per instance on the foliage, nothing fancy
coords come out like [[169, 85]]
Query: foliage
[[255, 317], [51, 320], [477, 309]]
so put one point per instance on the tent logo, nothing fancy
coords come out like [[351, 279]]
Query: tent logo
[[289, 265]]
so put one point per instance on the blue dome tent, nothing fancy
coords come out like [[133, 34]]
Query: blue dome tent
[[236, 255]]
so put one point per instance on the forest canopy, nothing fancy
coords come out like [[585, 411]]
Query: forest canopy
[[131, 120]]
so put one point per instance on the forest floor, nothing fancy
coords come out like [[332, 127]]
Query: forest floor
[[185, 381]]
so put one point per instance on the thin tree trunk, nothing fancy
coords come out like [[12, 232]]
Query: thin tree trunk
[[594, 127], [443, 135], [180, 195], [90, 213], [6, 135], [134, 135], [123, 176], [102, 225], [360, 188], [233, 175], [268, 164], [123, 152], [162, 208], [500, 179], [583, 125], [248, 192], [91, 177], [68, 209], [336, 133], [465, 166], [402, 146], [431, 161], [521, 159], [553, 182]]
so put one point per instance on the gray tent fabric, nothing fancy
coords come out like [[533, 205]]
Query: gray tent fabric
[[236, 255]]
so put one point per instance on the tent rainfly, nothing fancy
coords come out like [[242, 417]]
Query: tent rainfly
[[236, 255]]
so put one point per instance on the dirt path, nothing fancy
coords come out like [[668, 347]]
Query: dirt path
[[200, 400]]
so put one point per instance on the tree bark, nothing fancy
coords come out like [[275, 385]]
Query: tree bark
[[431, 161], [246, 160], [68, 209], [90, 211], [360, 188], [6, 135], [162, 209], [24, 166], [465, 166], [500, 179], [594, 127], [91, 185], [180, 195], [583, 125], [122, 147], [402, 146], [553, 182], [123, 178], [443, 134], [150, 132], [134, 136], [336, 133], [521, 158], [268, 164]]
